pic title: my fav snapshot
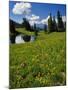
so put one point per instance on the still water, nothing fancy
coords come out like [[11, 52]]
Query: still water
[[19, 39]]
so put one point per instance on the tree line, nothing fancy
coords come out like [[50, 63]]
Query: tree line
[[58, 26], [53, 26]]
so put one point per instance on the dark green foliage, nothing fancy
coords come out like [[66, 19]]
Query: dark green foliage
[[35, 30], [26, 38], [26, 24], [12, 31], [54, 24], [34, 26], [60, 26], [12, 26], [50, 24], [45, 28], [65, 26], [12, 38], [60, 22]]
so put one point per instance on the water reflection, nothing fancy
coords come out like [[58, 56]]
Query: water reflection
[[24, 38], [19, 39]]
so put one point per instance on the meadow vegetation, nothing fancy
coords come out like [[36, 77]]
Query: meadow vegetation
[[38, 63]]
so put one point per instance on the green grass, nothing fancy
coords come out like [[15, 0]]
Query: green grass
[[24, 31], [39, 63]]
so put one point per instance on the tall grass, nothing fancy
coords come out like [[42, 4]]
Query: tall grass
[[39, 63]]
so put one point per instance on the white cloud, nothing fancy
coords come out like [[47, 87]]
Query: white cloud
[[33, 19], [22, 8], [45, 21], [31, 23], [34, 22]]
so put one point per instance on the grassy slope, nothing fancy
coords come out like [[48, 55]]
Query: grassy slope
[[23, 31], [38, 63]]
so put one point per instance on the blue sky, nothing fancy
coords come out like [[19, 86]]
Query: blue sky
[[39, 9]]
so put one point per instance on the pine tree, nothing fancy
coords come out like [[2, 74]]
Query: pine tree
[[34, 26], [26, 24], [35, 30], [12, 27], [12, 31], [65, 26], [50, 26], [54, 24], [60, 22], [45, 28]]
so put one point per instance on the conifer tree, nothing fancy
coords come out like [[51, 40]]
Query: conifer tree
[[35, 30], [60, 22], [54, 24], [26, 24], [50, 24]]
